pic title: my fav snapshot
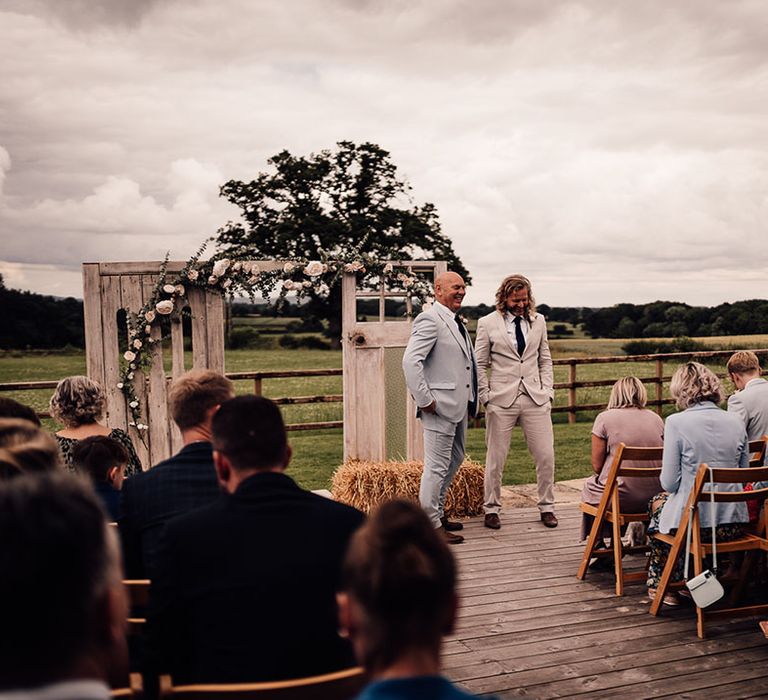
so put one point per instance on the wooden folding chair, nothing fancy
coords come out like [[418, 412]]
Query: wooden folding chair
[[134, 689], [340, 685], [138, 596], [609, 510], [750, 543], [757, 450]]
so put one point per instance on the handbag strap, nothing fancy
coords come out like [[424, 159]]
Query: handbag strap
[[690, 523]]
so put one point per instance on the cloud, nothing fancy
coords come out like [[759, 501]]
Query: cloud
[[610, 151]]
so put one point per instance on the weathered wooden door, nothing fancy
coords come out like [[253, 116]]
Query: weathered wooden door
[[109, 288], [379, 414]]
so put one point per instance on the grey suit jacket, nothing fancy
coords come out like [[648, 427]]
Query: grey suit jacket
[[751, 405], [701, 433], [495, 349], [439, 364]]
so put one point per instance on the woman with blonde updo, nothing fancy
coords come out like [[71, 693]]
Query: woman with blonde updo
[[78, 403], [700, 432], [398, 600]]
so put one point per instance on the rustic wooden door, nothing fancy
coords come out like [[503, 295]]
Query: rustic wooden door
[[379, 414], [108, 289]]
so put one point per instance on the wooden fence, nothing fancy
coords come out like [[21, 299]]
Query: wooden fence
[[571, 406], [658, 379]]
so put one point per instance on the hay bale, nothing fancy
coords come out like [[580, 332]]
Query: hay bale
[[365, 485]]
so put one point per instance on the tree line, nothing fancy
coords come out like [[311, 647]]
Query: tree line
[[670, 319], [29, 320]]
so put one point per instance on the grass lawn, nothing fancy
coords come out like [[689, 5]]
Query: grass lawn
[[318, 453]]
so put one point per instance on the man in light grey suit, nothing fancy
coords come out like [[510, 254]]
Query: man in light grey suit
[[441, 374], [512, 342], [750, 402]]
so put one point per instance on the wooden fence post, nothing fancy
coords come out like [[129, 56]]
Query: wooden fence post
[[659, 384], [572, 393], [257, 386]]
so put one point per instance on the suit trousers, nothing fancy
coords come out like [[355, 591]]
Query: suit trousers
[[443, 455], [536, 422]]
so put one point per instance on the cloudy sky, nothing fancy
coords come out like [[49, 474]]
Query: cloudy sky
[[610, 150]]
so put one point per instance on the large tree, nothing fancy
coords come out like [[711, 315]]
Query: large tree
[[334, 201]]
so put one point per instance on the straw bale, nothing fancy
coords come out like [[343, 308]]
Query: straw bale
[[364, 485]]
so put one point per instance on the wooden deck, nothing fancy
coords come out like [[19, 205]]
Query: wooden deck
[[528, 628]]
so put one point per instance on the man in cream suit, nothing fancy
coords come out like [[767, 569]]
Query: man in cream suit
[[512, 342], [441, 374], [750, 402]]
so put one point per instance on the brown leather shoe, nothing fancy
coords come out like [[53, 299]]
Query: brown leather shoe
[[451, 525], [449, 537], [549, 519], [492, 521]]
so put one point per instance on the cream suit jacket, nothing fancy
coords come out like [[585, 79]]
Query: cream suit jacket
[[495, 349], [439, 364]]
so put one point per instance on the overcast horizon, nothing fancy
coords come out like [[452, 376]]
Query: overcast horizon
[[610, 151]]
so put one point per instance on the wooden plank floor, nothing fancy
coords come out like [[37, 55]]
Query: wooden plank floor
[[528, 628]]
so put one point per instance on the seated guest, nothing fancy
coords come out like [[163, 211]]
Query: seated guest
[[24, 447], [62, 602], [9, 408], [179, 484], [750, 403], [398, 600], [701, 432], [244, 588], [79, 403], [103, 460], [626, 420]]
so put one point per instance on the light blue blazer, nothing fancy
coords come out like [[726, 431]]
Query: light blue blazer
[[439, 365], [701, 433]]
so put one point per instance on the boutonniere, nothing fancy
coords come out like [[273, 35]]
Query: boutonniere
[[463, 319]]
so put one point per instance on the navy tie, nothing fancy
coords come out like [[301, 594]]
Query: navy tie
[[460, 324], [519, 337]]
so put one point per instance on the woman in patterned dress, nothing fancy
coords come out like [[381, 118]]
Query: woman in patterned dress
[[78, 403]]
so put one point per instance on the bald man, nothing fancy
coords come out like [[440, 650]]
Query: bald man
[[441, 374]]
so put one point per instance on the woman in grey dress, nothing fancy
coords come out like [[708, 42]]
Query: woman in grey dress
[[625, 420]]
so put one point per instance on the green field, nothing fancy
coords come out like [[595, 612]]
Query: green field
[[318, 453]]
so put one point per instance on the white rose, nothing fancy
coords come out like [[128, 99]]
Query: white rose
[[192, 275], [179, 289], [150, 316], [314, 268], [130, 375], [120, 385], [164, 307], [134, 404], [129, 356], [169, 288], [388, 268], [288, 284], [137, 343], [353, 267], [213, 279], [307, 284], [141, 426], [147, 329], [237, 266], [288, 267], [323, 290], [220, 267]]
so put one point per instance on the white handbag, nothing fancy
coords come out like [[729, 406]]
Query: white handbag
[[705, 589]]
